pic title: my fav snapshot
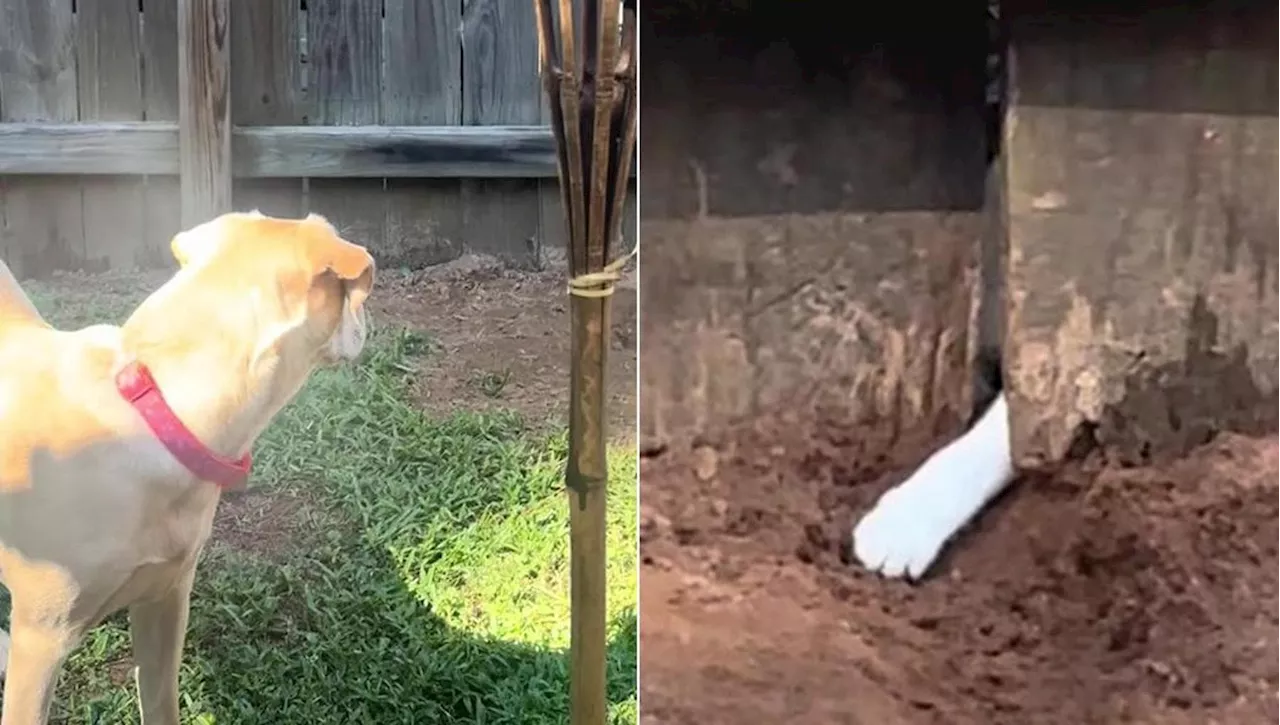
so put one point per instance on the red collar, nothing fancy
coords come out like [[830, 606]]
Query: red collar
[[138, 387]]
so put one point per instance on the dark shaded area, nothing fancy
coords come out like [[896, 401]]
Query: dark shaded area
[[785, 110], [529, 155], [1159, 57], [535, 678], [1173, 408]]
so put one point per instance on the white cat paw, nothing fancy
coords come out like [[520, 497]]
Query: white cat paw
[[905, 531], [899, 537]]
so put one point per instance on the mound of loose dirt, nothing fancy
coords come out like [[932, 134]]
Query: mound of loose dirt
[[501, 339], [1093, 596]]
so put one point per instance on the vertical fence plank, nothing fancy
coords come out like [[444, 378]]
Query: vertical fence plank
[[500, 86], [44, 225], [423, 86], [265, 72], [204, 110], [160, 103], [344, 49], [109, 53]]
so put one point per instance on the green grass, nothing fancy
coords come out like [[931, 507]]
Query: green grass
[[424, 580]]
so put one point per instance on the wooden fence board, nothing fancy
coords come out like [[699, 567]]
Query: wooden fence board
[[204, 111], [44, 225], [109, 56], [500, 86], [423, 85], [344, 60], [91, 99], [1142, 237], [265, 91], [160, 103]]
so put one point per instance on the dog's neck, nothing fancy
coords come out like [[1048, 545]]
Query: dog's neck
[[211, 394], [207, 365]]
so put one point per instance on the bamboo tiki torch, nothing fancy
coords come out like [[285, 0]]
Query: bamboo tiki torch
[[588, 66]]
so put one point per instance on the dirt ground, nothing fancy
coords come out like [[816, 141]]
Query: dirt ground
[[1094, 596], [500, 339]]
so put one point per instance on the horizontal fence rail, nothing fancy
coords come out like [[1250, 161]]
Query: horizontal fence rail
[[495, 152]]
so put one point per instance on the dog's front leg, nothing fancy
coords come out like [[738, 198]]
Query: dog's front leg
[[158, 628], [36, 653]]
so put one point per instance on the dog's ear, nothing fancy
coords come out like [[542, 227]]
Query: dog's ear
[[330, 254], [351, 263]]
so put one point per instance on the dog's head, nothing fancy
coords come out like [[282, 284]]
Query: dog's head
[[307, 285]]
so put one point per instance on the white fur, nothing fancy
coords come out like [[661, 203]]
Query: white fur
[[4, 652], [904, 532], [348, 340]]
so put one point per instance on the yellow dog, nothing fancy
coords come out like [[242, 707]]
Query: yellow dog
[[116, 442]]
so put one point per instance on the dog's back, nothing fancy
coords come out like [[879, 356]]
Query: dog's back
[[15, 307], [38, 365]]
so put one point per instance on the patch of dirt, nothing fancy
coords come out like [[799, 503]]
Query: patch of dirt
[[120, 671], [1096, 595], [501, 339], [261, 523]]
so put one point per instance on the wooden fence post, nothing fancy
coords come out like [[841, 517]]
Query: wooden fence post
[[204, 110], [1141, 202]]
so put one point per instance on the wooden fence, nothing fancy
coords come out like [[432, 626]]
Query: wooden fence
[[416, 126]]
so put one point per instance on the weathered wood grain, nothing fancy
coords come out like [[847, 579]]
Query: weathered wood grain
[[286, 151], [807, 245], [44, 226], [1142, 312], [423, 86], [89, 148], [204, 112], [160, 103], [424, 63], [500, 86], [398, 182], [109, 61], [266, 75], [344, 60]]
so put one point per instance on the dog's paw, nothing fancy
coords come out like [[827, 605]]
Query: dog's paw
[[905, 531], [903, 534]]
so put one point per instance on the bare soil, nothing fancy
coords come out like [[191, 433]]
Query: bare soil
[[501, 339], [265, 524], [1096, 595]]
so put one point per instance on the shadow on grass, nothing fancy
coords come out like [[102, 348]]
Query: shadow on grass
[[297, 642], [293, 647], [419, 574]]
